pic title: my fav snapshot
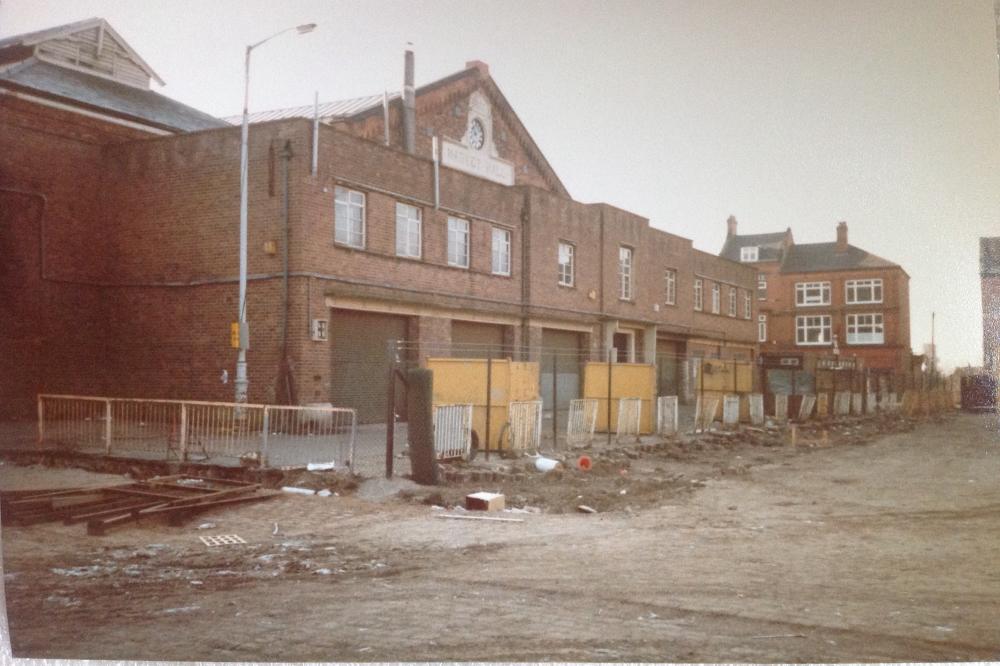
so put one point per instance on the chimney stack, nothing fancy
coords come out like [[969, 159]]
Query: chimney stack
[[484, 69], [731, 226], [409, 106], [842, 237]]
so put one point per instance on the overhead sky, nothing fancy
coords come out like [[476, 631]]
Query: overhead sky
[[785, 114]]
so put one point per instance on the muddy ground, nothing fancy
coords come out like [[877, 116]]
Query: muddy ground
[[868, 546]]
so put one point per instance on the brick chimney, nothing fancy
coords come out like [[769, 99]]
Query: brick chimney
[[842, 237], [484, 69], [731, 226], [409, 106]]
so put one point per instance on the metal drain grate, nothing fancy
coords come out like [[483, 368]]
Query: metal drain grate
[[222, 540]]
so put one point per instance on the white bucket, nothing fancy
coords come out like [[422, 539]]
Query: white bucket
[[545, 464]]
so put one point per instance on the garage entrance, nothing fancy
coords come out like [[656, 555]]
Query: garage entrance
[[668, 367], [561, 358], [360, 362]]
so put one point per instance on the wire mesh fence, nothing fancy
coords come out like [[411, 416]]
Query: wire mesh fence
[[211, 432]]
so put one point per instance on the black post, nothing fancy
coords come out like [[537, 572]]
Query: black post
[[390, 409], [611, 352], [489, 396], [555, 400]]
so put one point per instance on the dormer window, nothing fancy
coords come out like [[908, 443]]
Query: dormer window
[[749, 253]]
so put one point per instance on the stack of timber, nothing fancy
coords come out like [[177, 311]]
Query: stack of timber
[[175, 498]]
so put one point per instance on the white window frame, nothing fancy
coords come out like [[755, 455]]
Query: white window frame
[[500, 251], [762, 328], [409, 231], [732, 301], [812, 294], [670, 286], [806, 324], [716, 298], [851, 288], [458, 242], [699, 295], [747, 305], [761, 286], [567, 268], [345, 203], [626, 256], [875, 322], [749, 253]]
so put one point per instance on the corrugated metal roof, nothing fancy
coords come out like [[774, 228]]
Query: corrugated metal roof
[[328, 111], [80, 87], [989, 255]]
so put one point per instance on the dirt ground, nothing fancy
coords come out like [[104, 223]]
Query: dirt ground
[[725, 549]]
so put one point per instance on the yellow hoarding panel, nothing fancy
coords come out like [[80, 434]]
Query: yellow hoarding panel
[[464, 381], [628, 380]]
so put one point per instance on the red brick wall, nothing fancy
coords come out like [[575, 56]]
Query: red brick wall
[[53, 323], [991, 321], [443, 112], [893, 354]]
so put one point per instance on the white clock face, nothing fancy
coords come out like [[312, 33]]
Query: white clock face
[[477, 135]]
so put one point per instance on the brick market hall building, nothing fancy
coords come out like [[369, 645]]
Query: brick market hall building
[[120, 207]]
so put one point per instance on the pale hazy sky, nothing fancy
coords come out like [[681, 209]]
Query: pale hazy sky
[[799, 113]]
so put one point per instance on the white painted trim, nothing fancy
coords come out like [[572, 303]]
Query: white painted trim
[[86, 70], [385, 307], [83, 112], [560, 326]]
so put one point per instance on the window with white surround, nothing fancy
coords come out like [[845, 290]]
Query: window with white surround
[[566, 256], [812, 293], [670, 286], [458, 242], [747, 305], [812, 329], [749, 253], [762, 328], [863, 291], [762, 286], [865, 329], [625, 273], [501, 251], [349, 217], [407, 231], [699, 295], [716, 299], [732, 301]]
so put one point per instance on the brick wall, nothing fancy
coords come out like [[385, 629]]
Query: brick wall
[[55, 252], [991, 321]]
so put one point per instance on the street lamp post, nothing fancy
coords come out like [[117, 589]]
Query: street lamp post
[[242, 381]]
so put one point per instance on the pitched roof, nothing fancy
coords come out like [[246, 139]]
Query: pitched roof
[[328, 111], [357, 108], [39, 36], [80, 88], [770, 246], [814, 257], [989, 255]]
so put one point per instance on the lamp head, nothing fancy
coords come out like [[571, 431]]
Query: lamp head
[[305, 27]]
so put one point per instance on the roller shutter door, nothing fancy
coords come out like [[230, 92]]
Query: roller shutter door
[[360, 362], [470, 339], [563, 348]]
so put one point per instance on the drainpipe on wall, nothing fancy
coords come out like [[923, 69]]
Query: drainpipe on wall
[[526, 273], [409, 106], [285, 370]]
